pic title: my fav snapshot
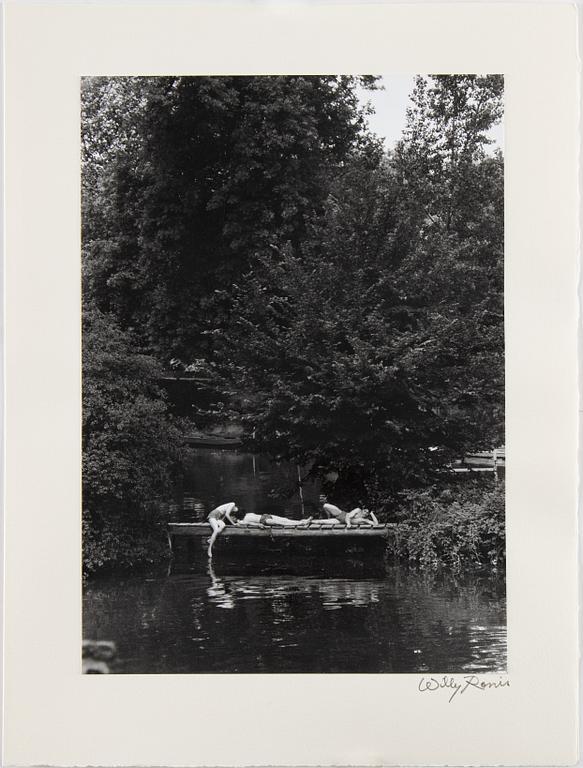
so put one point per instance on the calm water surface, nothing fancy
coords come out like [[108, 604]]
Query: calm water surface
[[214, 622], [255, 483], [243, 618]]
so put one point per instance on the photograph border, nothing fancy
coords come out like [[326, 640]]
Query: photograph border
[[55, 716]]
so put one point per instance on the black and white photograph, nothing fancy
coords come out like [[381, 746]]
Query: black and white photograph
[[293, 374], [292, 384]]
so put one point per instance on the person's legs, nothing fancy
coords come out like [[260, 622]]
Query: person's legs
[[335, 512], [276, 520], [217, 526]]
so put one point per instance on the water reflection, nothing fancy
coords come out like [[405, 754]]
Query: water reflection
[[216, 622], [337, 594], [332, 593], [217, 592]]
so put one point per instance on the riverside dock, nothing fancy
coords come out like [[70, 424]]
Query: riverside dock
[[320, 537]]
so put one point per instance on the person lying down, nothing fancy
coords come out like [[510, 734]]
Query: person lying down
[[252, 519], [217, 517], [357, 515], [335, 516]]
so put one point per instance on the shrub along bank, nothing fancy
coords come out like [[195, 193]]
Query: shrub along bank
[[133, 449], [456, 528]]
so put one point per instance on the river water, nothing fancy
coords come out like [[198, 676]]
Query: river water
[[247, 618], [255, 483]]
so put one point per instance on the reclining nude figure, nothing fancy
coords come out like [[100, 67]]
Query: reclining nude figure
[[357, 515], [252, 519]]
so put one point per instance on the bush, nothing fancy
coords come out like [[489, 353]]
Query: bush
[[119, 542], [132, 448], [437, 529]]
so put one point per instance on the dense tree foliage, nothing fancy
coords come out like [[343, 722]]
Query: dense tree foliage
[[184, 181], [347, 303], [205, 173], [375, 347], [131, 449]]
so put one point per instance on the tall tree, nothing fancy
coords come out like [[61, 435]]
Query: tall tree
[[439, 159], [452, 236], [375, 347], [213, 170]]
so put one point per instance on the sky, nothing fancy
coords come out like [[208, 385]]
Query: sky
[[390, 105]]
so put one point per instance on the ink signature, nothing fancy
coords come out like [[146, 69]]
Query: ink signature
[[460, 685]]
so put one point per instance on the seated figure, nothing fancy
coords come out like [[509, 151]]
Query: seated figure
[[216, 519]]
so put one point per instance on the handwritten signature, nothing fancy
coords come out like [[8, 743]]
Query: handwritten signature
[[467, 682]]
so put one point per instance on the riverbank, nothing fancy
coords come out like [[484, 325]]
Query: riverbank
[[458, 528], [440, 529]]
